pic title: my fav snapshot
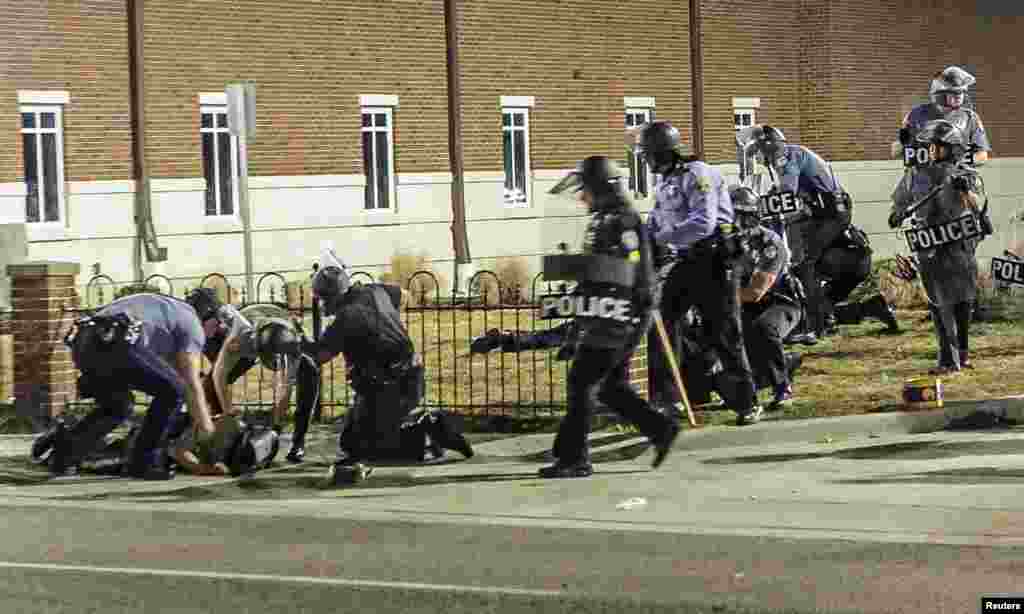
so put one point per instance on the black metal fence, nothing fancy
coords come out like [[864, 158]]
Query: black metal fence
[[529, 383]]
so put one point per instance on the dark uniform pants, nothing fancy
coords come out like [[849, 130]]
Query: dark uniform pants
[[704, 280], [815, 236], [372, 426], [602, 372], [764, 329], [952, 324], [111, 376]]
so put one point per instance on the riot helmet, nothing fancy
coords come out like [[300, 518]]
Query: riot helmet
[[747, 206], [770, 143], [331, 281], [205, 302], [946, 142], [662, 146], [599, 178], [948, 90]]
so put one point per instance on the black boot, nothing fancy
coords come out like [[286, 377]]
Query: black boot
[[877, 307], [296, 455], [43, 445], [579, 469]]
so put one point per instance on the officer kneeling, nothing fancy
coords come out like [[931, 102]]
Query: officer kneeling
[[258, 334], [386, 373], [145, 342], [612, 309]]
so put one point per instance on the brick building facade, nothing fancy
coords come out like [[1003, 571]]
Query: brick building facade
[[835, 76]]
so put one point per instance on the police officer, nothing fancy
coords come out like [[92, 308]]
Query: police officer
[[948, 93], [805, 174], [948, 266], [845, 265], [606, 338], [145, 342], [771, 308], [693, 218], [385, 369], [259, 333]]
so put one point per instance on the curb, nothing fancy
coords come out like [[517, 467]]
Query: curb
[[955, 414]]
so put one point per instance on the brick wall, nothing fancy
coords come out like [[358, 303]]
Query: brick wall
[[310, 61], [79, 46], [578, 60], [750, 50]]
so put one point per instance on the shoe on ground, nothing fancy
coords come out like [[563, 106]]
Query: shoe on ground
[[344, 473], [43, 445], [579, 469], [751, 417], [879, 308], [663, 444], [296, 455], [152, 473], [943, 370]]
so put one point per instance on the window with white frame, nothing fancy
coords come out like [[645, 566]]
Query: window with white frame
[[220, 160], [639, 174], [378, 157], [743, 118], [42, 138], [515, 128]]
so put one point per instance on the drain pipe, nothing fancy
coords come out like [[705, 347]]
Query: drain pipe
[[460, 238], [145, 234], [697, 74]]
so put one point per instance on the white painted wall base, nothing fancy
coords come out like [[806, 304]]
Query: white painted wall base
[[294, 217]]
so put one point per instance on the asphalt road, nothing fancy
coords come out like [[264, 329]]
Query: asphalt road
[[893, 524]]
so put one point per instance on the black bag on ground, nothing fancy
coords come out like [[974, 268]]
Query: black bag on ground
[[255, 449]]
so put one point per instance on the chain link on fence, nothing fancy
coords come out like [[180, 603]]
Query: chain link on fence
[[526, 383]]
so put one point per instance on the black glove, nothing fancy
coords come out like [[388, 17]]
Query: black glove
[[905, 138], [895, 219]]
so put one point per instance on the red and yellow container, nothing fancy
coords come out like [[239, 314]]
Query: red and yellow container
[[922, 393]]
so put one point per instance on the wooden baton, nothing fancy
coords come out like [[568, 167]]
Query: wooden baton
[[673, 365]]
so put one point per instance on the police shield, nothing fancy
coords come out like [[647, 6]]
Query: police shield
[[752, 174]]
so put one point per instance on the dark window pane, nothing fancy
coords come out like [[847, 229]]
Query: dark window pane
[[51, 208], [380, 120], [383, 171], [508, 160], [28, 120], [368, 170], [632, 174], [209, 173], [206, 120], [746, 120], [366, 120], [641, 175], [222, 120], [520, 151], [518, 119], [737, 119], [224, 167], [506, 119], [31, 178], [48, 120]]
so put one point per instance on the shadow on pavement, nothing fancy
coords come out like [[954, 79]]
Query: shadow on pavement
[[915, 450], [278, 486], [967, 475]]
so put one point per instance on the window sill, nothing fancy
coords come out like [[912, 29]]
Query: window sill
[[47, 231], [220, 224]]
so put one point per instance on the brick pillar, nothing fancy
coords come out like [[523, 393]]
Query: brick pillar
[[44, 376]]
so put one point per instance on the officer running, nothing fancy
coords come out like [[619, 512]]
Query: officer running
[[608, 335], [693, 218]]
